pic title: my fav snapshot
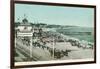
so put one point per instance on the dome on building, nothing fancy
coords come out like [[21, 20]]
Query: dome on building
[[25, 20]]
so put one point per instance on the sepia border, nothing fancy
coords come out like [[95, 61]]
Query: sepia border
[[12, 64]]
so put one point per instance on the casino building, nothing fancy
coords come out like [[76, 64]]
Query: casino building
[[27, 33]]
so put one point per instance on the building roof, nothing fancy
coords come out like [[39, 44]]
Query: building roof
[[25, 20]]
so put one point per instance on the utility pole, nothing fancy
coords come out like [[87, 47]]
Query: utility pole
[[53, 48], [31, 47]]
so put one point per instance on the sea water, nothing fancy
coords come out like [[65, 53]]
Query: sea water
[[82, 33]]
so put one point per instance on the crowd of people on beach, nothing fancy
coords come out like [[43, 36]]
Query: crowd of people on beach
[[57, 54], [41, 39], [81, 44]]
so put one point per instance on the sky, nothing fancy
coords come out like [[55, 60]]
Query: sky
[[58, 15]]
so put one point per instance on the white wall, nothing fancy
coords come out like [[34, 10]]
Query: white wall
[[5, 34], [21, 28]]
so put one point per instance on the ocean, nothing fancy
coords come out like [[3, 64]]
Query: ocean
[[82, 33]]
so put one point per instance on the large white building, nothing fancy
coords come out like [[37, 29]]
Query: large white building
[[24, 28]]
